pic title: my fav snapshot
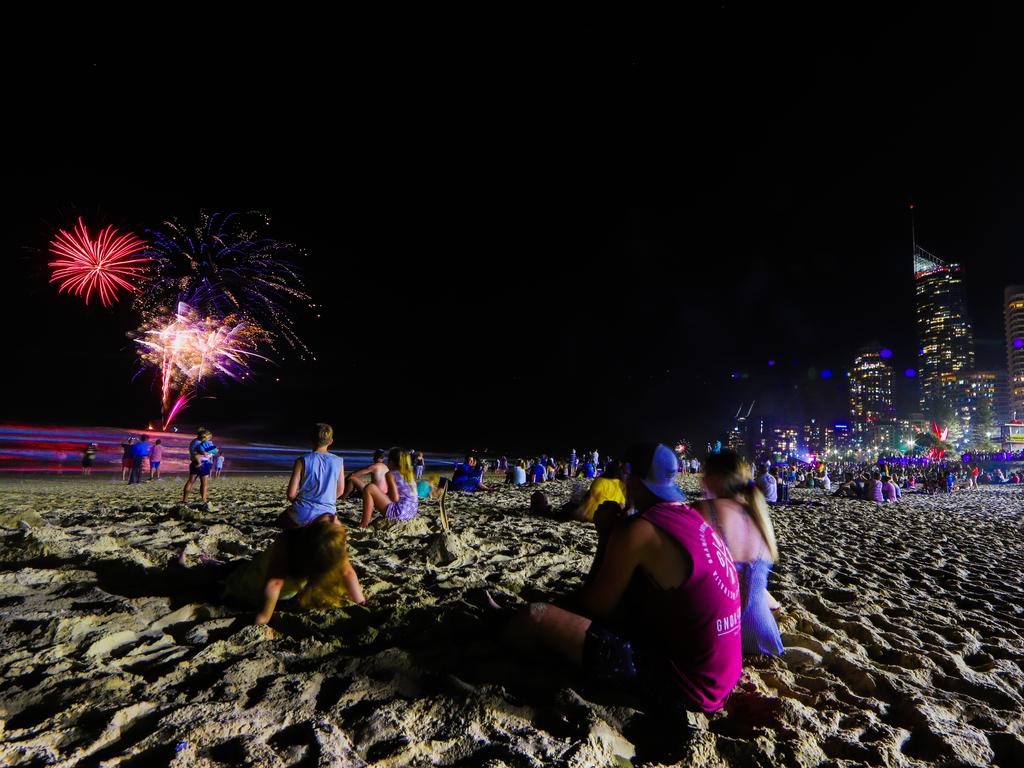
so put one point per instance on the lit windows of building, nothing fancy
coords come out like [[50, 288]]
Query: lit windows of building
[[814, 442], [1013, 313], [990, 385], [872, 414], [784, 441], [947, 343]]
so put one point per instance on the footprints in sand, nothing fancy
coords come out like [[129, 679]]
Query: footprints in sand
[[905, 638]]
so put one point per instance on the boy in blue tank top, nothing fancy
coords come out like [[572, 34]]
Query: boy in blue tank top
[[317, 480]]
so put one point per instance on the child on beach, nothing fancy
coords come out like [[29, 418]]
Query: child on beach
[[89, 457], [318, 479], [376, 471], [419, 462], [401, 501], [156, 456], [309, 565], [426, 487]]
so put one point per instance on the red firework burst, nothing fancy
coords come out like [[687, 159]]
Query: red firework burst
[[104, 265]]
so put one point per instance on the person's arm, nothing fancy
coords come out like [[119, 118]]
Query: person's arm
[[587, 507], [348, 575], [275, 580], [293, 483], [360, 473], [393, 493], [271, 592], [621, 557], [341, 483]]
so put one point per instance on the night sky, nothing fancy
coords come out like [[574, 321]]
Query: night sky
[[536, 242]]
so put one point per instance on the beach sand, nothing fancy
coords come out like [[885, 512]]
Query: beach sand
[[905, 626]]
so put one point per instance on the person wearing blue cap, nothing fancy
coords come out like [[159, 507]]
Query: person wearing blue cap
[[661, 605]]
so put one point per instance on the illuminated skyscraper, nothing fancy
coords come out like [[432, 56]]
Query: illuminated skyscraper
[[872, 415], [814, 442], [947, 345], [1014, 315], [989, 385]]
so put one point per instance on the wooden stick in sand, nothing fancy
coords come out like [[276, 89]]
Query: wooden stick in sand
[[444, 510]]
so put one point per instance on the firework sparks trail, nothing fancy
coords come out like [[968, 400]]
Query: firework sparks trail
[[103, 265], [178, 406], [189, 347], [223, 266]]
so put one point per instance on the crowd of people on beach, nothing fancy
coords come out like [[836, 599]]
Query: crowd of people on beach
[[141, 456], [675, 596], [677, 592]]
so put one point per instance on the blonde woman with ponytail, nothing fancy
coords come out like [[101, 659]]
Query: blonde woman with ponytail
[[737, 510], [401, 501]]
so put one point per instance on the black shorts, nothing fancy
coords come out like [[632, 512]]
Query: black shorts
[[199, 469], [613, 662]]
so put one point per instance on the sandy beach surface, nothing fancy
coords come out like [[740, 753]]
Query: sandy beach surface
[[904, 624]]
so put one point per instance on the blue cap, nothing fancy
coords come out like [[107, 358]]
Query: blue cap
[[661, 478]]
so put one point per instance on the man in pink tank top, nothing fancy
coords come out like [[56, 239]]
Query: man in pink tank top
[[662, 600]]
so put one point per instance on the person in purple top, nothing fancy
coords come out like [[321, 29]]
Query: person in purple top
[[661, 606], [890, 490], [401, 502], [874, 491]]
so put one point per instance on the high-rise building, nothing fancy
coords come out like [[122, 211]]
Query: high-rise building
[[784, 441], [843, 436], [814, 438], [736, 440], [831, 444], [947, 344], [1013, 308], [872, 415], [990, 385]]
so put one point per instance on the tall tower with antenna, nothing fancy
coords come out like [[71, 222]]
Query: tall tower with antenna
[[946, 352]]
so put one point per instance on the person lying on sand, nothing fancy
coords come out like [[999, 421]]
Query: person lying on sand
[[736, 508], [308, 566], [376, 472], [661, 603], [401, 500]]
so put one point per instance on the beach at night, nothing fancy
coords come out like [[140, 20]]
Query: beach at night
[[634, 392], [903, 629]]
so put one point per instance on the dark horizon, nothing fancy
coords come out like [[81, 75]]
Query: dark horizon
[[551, 251]]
